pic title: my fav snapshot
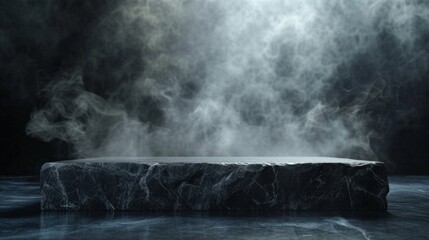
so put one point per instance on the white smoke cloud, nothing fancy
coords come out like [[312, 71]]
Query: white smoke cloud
[[236, 78]]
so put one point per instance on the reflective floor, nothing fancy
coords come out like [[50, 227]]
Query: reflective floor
[[407, 218]]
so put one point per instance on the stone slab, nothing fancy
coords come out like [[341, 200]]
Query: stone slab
[[214, 183]]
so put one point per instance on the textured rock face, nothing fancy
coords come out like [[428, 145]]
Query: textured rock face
[[214, 184]]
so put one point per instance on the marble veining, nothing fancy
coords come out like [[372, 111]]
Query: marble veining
[[406, 218], [222, 184]]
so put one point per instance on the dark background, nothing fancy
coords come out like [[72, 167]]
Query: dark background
[[41, 39]]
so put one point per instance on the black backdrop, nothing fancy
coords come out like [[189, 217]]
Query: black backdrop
[[40, 39]]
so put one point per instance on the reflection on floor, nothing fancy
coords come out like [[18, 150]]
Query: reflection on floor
[[407, 218]]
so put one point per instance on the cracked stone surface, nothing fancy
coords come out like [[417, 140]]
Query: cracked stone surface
[[214, 183]]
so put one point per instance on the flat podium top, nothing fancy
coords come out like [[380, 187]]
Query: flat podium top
[[224, 160]]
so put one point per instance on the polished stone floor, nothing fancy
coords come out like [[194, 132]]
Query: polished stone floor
[[406, 218]]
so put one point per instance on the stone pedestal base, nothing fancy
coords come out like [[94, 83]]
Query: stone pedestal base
[[215, 183]]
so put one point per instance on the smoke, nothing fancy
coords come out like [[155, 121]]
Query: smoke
[[237, 78]]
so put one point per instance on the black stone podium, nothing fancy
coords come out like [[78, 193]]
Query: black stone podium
[[214, 184]]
